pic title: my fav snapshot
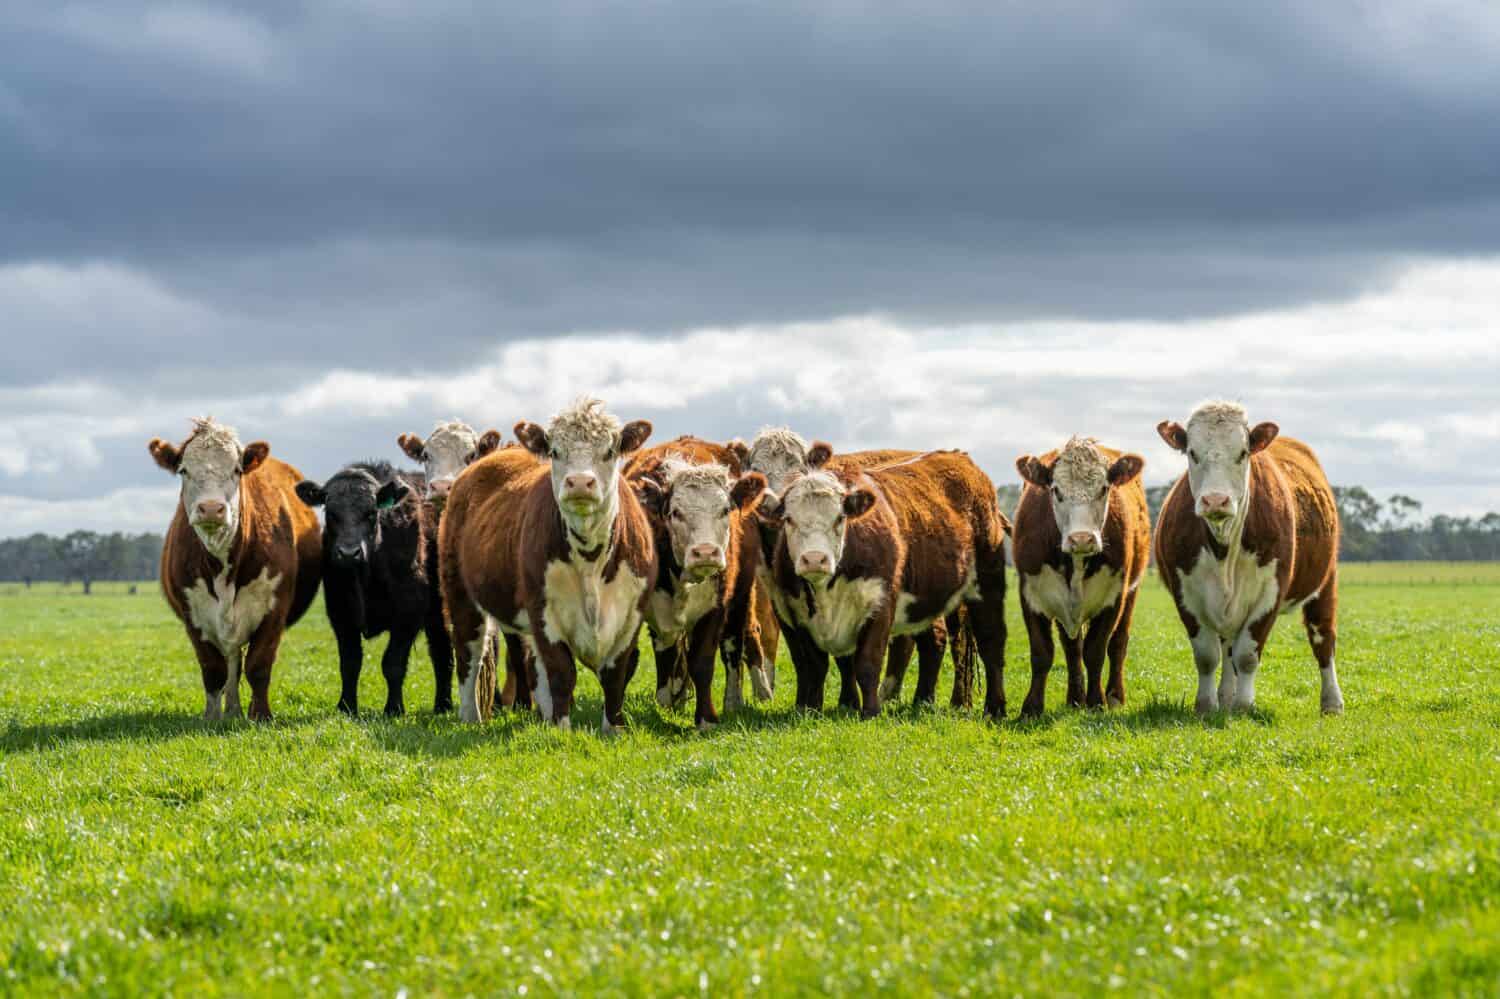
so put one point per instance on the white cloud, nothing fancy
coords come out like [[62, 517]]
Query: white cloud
[[130, 510]]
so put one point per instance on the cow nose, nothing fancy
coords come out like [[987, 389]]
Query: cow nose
[[353, 554], [1083, 542], [1215, 503], [211, 509], [440, 487], [814, 562], [703, 553], [579, 482]]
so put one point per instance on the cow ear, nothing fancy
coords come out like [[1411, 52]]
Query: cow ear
[[747, 489], [255, 453], [818, 454], [858, 502], [533, 438], [489, 441], [411, 445], [391, 493], [634, 435], [310, 493], [740, 450], [1171, 431], [1125, 468], [1262, 435], [1033, 471], [652, 496], [167, 456]]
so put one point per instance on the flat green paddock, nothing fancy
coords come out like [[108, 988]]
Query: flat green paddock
[[143, 850]]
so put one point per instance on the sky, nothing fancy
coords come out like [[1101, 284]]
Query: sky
[[987, 226]]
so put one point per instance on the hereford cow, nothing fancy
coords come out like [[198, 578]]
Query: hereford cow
[[1082, 541], [545, 542], [378, 576], [240, 563], [865, 555], [749, 632], [448, 450], [781, 455], [1250, 532]]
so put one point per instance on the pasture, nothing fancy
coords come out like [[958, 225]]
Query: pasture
[[143, 850]]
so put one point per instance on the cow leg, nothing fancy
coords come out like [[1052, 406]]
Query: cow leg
[[351, 664], [393, 666], [735, 630], [987, 618], [470, 628], [701, 667], [1039, 633], [614, 676], [671, 674], [811, 664], [258, 662], [1095, 647], [732, 651], [1073, 655], [556, 676], [1119, 644], [930, 646], [1228, 681], [1320, 617], [236, 663], [896, 661], [440, 651], [1247, 650], [518, 667], [215, 670], [849, 693], [762, 636], [1207, 653], [874, 642]]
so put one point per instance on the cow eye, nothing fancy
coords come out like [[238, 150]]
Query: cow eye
[[1103, 491], [1244, 454], [724, 512], [677, 515], [1056, 493], [1192, 455]]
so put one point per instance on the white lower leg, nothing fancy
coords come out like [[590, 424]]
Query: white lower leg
[[1206, 655], [232, 689], [1332, 697], [1228, 681], [1246, 660], [734, 688]]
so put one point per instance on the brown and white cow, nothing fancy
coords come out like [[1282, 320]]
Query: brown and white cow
[[781, 455], [745, 642], [241, 562], [1250, 532], [547, 542], [699, 513], [865, 555], [1082, 541], [451, 447]]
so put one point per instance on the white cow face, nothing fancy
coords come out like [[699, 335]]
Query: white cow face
[[447, 451], [697, 503], [584, 444], [1219, 441], [1079, 484], [815, 512], [780, 455], [211, 464]]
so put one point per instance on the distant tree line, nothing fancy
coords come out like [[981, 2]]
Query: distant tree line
[[1393, 531], [81, 557]]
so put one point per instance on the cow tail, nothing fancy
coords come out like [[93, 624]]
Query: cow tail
[[964, 648]]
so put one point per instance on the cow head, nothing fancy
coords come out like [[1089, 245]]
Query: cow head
[[351, 502], [448, 450], [211, 464], [1218, 441], [1079, 483], [780, 455], [696, 503], [815, 512], [584, 443]]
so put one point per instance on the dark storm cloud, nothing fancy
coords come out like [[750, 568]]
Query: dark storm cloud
[[482, 172]]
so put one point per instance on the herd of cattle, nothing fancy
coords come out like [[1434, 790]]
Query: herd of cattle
[[563, 543]]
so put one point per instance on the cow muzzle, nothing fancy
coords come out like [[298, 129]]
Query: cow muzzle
[[814, 566], [703, 561], [1216, 507], [210, 513], [580, 490], [1083, 543], [346, 555], [438, 489]]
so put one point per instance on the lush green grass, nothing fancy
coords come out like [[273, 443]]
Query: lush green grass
[[143, 850]]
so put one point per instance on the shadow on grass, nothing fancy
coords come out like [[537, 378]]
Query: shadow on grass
[[131, 726], [1152, 715]]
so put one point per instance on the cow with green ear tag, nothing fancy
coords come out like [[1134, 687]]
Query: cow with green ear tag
[[377, 574]]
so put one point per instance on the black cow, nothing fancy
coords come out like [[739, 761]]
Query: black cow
[[378, 576]]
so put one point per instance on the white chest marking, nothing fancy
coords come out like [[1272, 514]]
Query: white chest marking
[[225, 615], [840, 610], [904, 624], [597, 620], [672, 615], [1072, 604], [1229, 596]]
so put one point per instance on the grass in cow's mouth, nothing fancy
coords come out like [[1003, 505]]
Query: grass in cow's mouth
[[143, 850]]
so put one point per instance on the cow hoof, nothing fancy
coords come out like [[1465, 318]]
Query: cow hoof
[[1243, 707], [352, 710], [1030, 710], [890, 689], [705, 727], [468, 714], [564, 724], [1206, 705], [1333, 706], [394, 710], [664, 697], [442, 707], [762, 683], [1115, 702]]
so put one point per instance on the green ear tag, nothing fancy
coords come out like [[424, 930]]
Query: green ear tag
[[386, 503]]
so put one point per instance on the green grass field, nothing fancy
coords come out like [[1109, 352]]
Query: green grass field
[[143, 850]]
